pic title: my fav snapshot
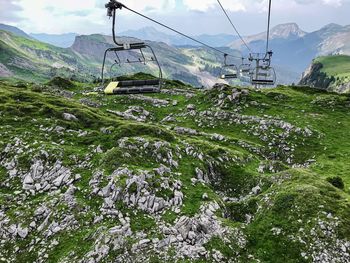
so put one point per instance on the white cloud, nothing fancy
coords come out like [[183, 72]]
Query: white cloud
[[80, 16], [60, 16], [89, 16], [255, 5], [156, 5], [336, 3], [204, 5], [9, 10]]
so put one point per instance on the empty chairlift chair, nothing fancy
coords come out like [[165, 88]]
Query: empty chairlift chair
[[264, 74], [228, 71], [245, 72], [128, 86]]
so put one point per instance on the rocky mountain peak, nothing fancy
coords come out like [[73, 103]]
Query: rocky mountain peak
[[288, 30], [331, 30], [332, 26], [91, 45]]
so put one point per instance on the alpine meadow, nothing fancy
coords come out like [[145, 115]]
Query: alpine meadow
[[165, 143]]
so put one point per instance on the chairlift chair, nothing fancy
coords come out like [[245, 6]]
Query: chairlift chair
[[228, 71], [263, 74], [245, 71], [129, 86]]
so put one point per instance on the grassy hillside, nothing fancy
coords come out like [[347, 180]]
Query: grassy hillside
[[331, 73], [337, 66], [221, 175], [29, 59]]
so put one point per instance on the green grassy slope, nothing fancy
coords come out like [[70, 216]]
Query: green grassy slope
[[270, 161], [30, 59], [337, 66], [330, 73]]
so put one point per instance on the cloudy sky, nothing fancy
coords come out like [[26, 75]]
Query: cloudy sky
[[189, 16]]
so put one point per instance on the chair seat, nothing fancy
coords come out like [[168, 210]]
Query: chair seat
[[136, 90], [263, 81], [131, 46], [229, 76], [133, 87], [137, 83]]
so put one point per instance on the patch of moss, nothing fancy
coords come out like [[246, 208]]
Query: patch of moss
[[133, 130], [166, 194], [61, 83], [239, 211], [68, 243], [142, 222], [219, 245], [294, 202], [3, 173], [132, 188], [233, 180], [169, 217]]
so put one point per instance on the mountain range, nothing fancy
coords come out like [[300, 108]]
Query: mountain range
[[33, 60], [14, 30], [81, 56], [152, 34], [59, 40], [146, 33], [295, 48]]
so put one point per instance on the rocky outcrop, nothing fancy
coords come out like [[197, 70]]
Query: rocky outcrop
[[91, 46], [202, 176], [313, 77], [135, 113], [344, 87]]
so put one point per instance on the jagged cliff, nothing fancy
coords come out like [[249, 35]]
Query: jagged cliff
[[313, 77], [330, 73]]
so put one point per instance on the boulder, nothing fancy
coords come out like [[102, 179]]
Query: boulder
[[69, 117], [191, 107], [22, 232]]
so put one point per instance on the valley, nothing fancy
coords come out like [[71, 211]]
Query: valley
[[83, 59]]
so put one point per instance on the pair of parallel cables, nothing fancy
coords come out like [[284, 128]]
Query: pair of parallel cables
[[204, 44]]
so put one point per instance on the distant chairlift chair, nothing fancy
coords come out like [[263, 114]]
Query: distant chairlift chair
[[228, 71], [264, 74], [245, 72], [129, 86]]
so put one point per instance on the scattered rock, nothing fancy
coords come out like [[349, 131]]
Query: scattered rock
[[191, 107], [256, 190], [69, 117]]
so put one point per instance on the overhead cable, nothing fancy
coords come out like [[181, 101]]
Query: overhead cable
[[234, 27], [180, 33]]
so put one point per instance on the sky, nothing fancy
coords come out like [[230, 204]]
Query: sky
[[189, 16]]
